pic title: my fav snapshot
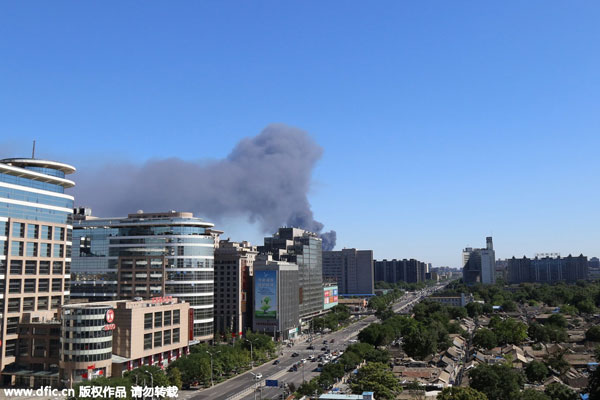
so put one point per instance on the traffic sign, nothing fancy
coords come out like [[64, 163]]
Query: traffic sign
[[271, 382]]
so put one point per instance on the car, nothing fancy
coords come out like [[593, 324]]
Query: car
[[258, 377], [324, 348], [332, 340], [295, 354], [325, 341], [292, 368], [303, 360], [311, 347], [276, 362], [295, 368]]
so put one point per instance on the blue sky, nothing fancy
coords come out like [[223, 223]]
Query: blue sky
[[441, 122]]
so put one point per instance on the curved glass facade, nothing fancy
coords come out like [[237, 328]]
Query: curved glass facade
[[148, 255]]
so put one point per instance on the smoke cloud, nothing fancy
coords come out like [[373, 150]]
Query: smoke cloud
[[265, 178]]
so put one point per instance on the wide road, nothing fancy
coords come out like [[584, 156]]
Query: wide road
[[245, 386]]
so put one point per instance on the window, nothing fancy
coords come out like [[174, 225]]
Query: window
[[147, 341], [148, 321], [16, 248], [30, 267], [56, 302], [158, 319], [58, 251], [14, 305], [32, 231], [10, 349], [167, 337], [11, 325], [57, 267], [42, 303], [16, 267], [167, 318], [59, 234], [31, 250], [44, 267], [56, 285], [44, 250], [14, 286], [176, 335], [29, 304], [157, 339], [18, 230], [46, 232], [175, 316], [44, 285]]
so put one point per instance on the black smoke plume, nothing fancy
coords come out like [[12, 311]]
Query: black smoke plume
[[265, 178]]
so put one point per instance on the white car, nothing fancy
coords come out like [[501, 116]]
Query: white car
[[257, 377]]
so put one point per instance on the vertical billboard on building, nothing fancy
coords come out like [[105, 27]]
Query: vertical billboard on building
[[330, 297], [265, 294]]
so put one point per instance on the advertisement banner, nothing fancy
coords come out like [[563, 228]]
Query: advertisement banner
[[265, 294]]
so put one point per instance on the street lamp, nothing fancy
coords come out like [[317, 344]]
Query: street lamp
[[211, 367], [251, 353], [151, 382]]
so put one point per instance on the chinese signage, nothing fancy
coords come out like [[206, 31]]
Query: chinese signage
[[265, 294], [161, 300]]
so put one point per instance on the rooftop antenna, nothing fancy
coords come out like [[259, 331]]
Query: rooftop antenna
[[33, 150]]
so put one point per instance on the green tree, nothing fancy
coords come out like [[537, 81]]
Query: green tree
[[593, 334], [159, 378], [532, 394], [174, 375], [593, 387], [536, 371], [474, 309], [498, 382], [309, 388], [378, 378], [557, 391], [485, 338], [461, 393]]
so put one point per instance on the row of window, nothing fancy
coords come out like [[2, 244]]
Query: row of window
[[14, 304], [88, 357], [161, 318], [88, 346], [33, 267], [43, 285], [87, 334], [22, 181], [44, 232], [34, 249], [34, 213], [163, 338]]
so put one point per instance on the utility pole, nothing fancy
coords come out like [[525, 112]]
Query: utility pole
[[251, 354]]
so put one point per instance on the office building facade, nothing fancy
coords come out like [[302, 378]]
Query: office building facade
[[234, 263], [352, 270], [548, 269], [35, 249], [305, 249], [479, 265], [147, 255], [276, 298], [392, 271]]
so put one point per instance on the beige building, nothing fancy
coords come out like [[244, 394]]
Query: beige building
[[234, 263]]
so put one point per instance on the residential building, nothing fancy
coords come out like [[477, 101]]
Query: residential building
[[276, 298], [479, 265], [35, 248], [392, 271], [305, 249], [548, 269], [233, 286], [594, 268], [146, 255], [352, 270]]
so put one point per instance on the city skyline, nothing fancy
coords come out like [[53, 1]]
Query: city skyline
[[438, 126]]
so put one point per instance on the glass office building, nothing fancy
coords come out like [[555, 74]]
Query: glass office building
[[305, 249], [35, 252], [147, 255]]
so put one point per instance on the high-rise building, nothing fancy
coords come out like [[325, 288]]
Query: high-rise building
[[233, 286], [147, 255], [35, 251], [548, 269], [305, 249], [479, 265], [352, 270], [392, 271], [276, 297]]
